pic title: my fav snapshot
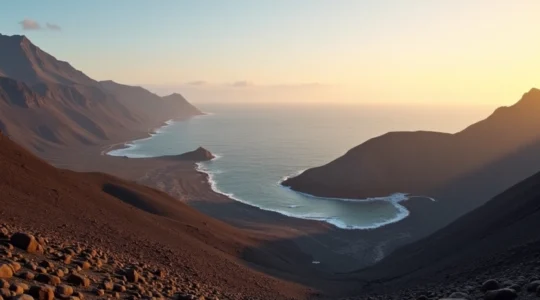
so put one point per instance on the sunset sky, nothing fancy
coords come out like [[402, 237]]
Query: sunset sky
[[379, 51]]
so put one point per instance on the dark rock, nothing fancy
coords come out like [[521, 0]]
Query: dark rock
[[490, 285], [64, 290], [41, 292], [48, 279], [531, 287], [502, 294], [78, 280], [25, 242], [132, 275], [27, 275]]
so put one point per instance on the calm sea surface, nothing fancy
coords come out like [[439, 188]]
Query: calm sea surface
[[258, 145]]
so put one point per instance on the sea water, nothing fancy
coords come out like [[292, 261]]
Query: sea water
[[257, 146]]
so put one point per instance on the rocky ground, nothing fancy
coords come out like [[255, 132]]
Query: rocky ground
[[513, 274], [38, 267]]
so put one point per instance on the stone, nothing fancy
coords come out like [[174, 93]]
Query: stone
[[64, 290], [119, 288], [490, 285], [531, 287], [132, 275], [48, 279], [15, 266], [67, 259], [6, 271], [27, 275], [501, 294], [41, 292], [78, 280], [107, 285], [18, 289], [85, 265], [99, 292], [25, 242], [4, 284], [59, 273], [23, 297], [46, 264]]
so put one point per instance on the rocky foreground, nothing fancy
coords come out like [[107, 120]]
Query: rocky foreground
[[37, 267]]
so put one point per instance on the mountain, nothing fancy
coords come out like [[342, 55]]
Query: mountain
[[46, 103], [23, 61], [422, 162], [497, 240], [149, 105], [137, 223]]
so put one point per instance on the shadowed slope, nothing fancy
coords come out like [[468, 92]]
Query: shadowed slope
[[497, 235], [132, 220]]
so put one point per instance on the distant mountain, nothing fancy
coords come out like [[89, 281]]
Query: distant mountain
[[148, 104], [47, 103], [421, 162]]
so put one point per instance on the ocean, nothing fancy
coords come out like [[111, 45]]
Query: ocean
[[257, 146]]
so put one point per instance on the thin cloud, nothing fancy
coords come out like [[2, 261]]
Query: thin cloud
[[242, 83], [54, 27], [29, 24], [197, 82]]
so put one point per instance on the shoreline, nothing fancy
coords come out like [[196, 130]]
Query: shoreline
[[394, 199], [337, 250]]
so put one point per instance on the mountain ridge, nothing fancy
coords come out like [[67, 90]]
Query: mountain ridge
[[47, 103]]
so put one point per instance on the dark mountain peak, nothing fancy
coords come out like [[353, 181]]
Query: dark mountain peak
[[15, 37]]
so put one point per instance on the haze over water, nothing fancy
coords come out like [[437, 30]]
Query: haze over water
[[258, 145]]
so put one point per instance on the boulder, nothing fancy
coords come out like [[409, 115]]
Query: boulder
[[64, 290], [27, 275], [78, 280], [41, 292], [531, 287], [6, 271], [48, 279], [501, 294], [490, 285], [25, 242], [132, 275]]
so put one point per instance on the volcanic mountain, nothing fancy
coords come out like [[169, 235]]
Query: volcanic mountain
[[47, 103]]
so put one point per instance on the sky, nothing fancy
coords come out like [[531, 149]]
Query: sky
[[331, 51]]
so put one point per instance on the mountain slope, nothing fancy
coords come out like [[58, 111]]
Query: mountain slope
[[492, 239], [133, 221], [419, 162], [23, 61], [149, 105], [47, 103]]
